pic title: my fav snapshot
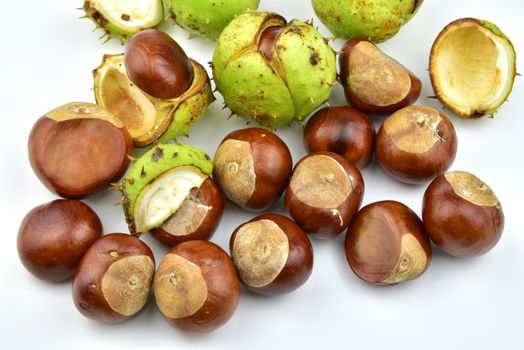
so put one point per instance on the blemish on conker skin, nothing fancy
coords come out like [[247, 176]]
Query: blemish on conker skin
[[314, 58], [143, 172], [157, 155], [125, 17]]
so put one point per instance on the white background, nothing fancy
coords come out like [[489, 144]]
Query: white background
[[47, 55]]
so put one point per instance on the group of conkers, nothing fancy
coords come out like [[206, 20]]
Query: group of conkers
[[154, 92]]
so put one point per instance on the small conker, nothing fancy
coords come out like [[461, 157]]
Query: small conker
[[79, 148], [113, 280], [196, 287], [197, 217], [386, 244], [343, 130], [272, 254], [252, 167], [54, 236], [374, 82], [462, 215], [324, 193], [157, 64], [415, 144]]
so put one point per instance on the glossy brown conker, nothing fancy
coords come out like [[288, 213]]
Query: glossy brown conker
[[386, 244], [157, 64], [113, 280], [324, 193], [272, 254], [196, 287], [343, 130], [415, 144], [252, 167], [54, 236], [462, 215]]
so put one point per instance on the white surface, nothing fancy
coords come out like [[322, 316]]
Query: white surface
[[46, 60]]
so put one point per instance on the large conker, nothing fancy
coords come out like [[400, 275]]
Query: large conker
[[54, 236], [252, 167], [272, 254], [113, 280], [343, 130], [415, 144], [324, 193], [374, 82], [386, 244], [78, 148], [157, 64], [462, 215], [196, 287]]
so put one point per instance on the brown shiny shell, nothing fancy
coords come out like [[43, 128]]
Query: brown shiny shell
[[54, 236], [79, 154], [221, 285], [107, 258], [261, 162], [386, 244], [196, 219], [415, 144], [324, 221], [298, 264], [157, 64], [342, 130], [462, 215]]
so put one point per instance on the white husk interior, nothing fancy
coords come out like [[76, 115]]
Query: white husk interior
[[141, 13]]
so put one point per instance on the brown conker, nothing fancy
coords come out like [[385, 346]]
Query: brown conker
[[374, 82], [78, 148], [343, 130], [386, 244], [324, 193], [197, 217], [113, 280], [272, 254], [54, 236], [252, 167], [157, 64], [415, 144], [462, 215], [196, 287]]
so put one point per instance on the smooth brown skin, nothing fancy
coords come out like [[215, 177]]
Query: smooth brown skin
[[378, 228], [77, 157], [268, 37], [207, 194], [320, 223], [54, 236], [353, 96], [90, 300], [273, 166], [299, 264], [222, 284], [457, 226], [413, 168], [343, 130], [157, 64]]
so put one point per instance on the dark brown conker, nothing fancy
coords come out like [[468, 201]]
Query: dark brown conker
[[462, 215], [54, 236]]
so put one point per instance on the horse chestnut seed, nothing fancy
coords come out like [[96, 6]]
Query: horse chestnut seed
[[157, 64], [462, 215]]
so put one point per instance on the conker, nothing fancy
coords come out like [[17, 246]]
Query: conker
[[196, 287], [324, 193], [197, 217], [343, 130], [386, 244], [415, 144], [272, 254], [374, 82], [252, 167], [157, 64], [462, 215], [78, 148], [113, 280], [54, 236]]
